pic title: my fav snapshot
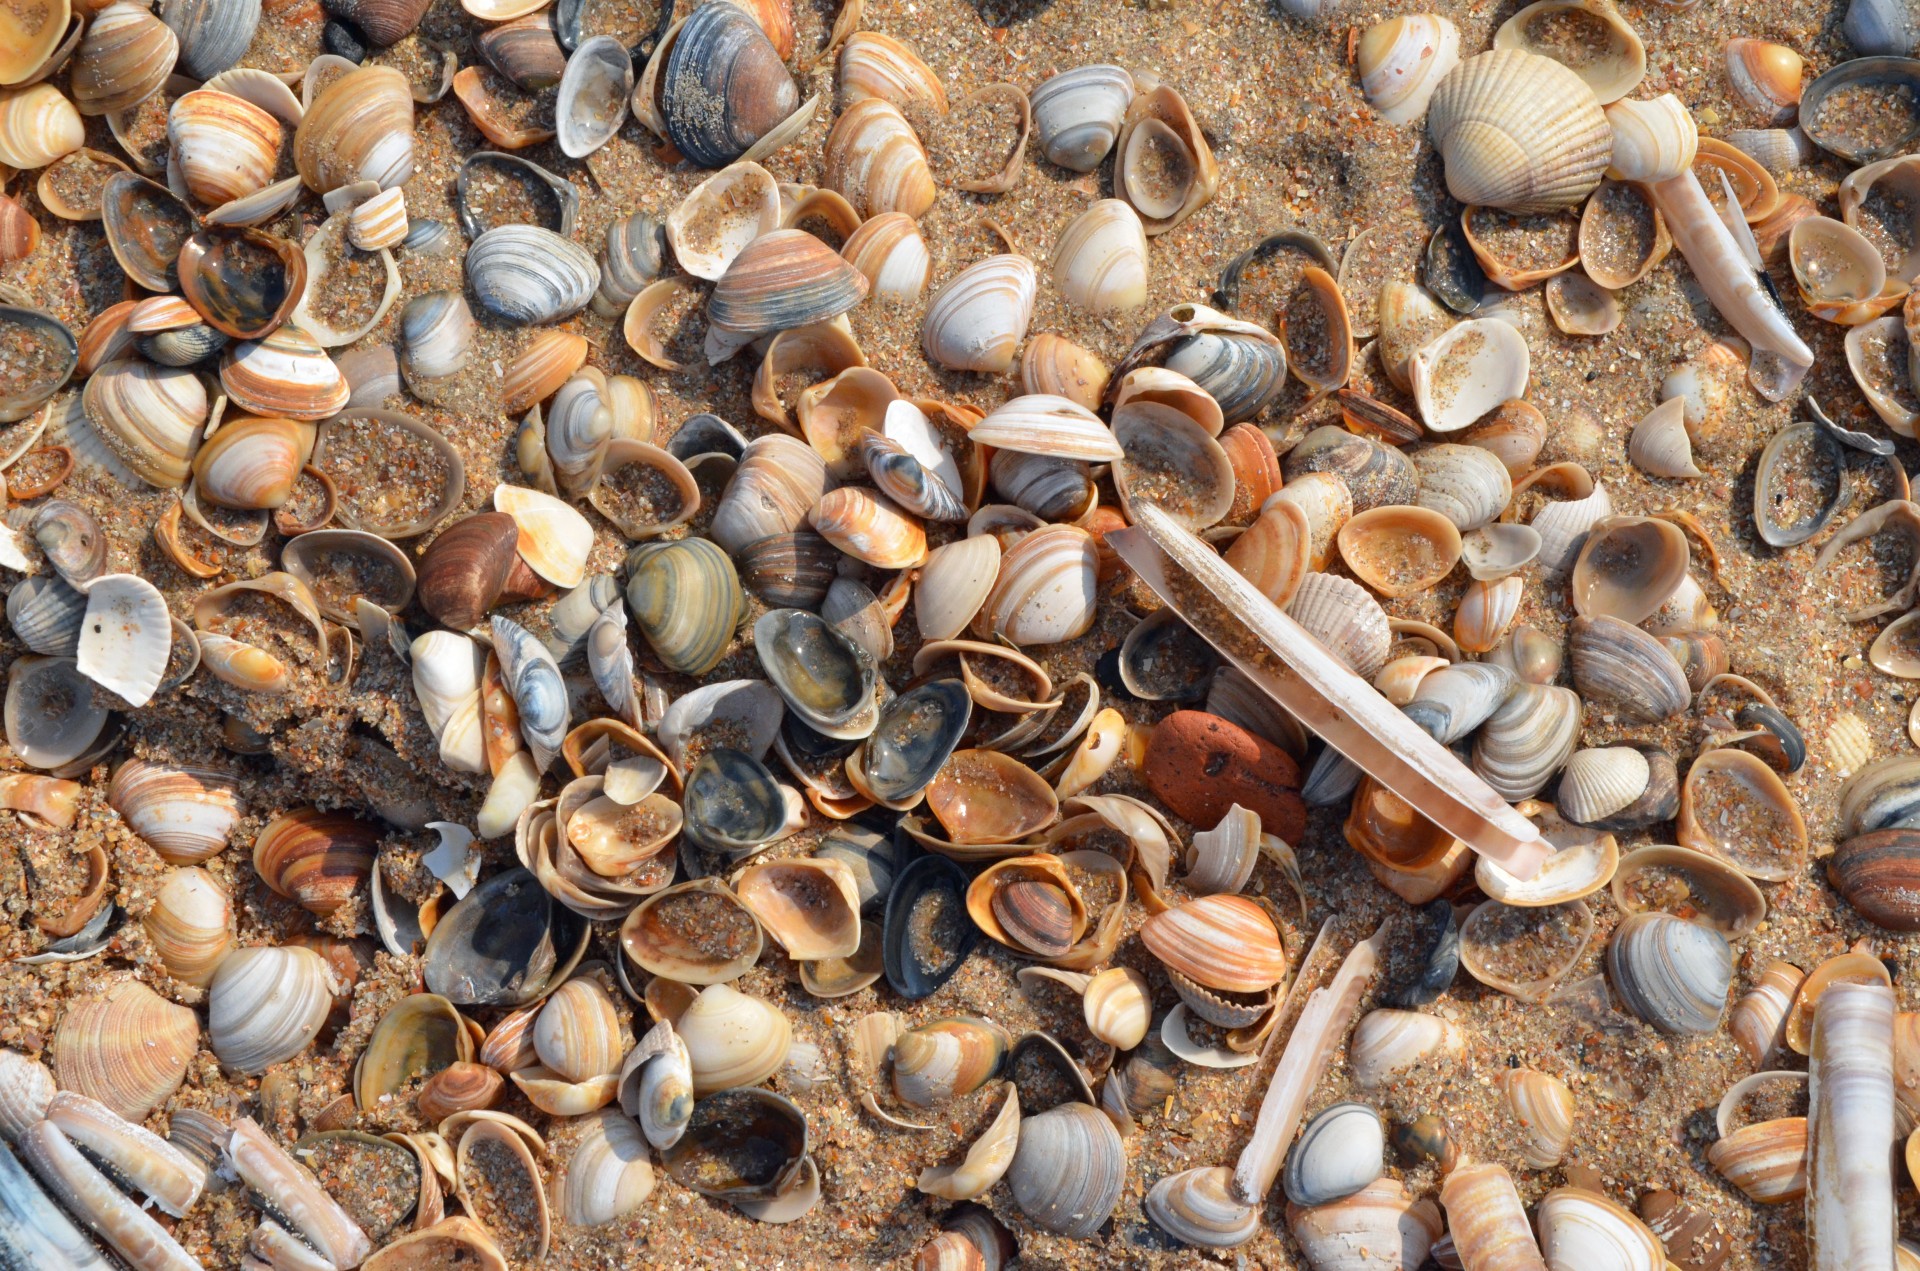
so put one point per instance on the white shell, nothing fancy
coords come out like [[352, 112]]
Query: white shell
[[1045, 424], [1652, 140], [721, 216], [1659, 445], [447, 667], [266, 1003], [1047, 590], [1339, 1152], [1580, 1231], [986, 1160], [1600, 781], [125, 637], [890, 251], [609, 1175], [1467, 371], [1402, 60], [1466, 484], [953, 584], [1563, 527], [1387, 1043], [977, 320], [1077, 114], [1100, 260], [555, 540]]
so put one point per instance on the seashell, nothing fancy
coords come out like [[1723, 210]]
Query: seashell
[[1759, 1018], [696, 932], [285, 374], [1069, 1170], [1379, 1228], [656, 1086], [1628, 568], [976, 320], [1402, 60], [26, 1088], [876, 162], [316, 858], [1766, 77], [127, 1047], [1080, 114], [1389, 1043], [148, 416], [1338, 1154], [609, 1175], [1198, 1207], [459, 1087], [778, 482], [38, 124], [1046, 590], [876, 65], [1698, 888], [1671, 973], [184, 814], [1544, 1107], [632, 255], [1100, 259], [146, 226], [124, 57], [1866, 82], [1524, 951], [907, 481], [1224, 943], [1518, 131], [1873, 871], [577, 1033], [44, 612], [554, 541], [436, 334], [1622, 669], [733, 805], [1580, 306], [1375, 474], [126, 636], [265, 1004], [86, 1192], [592, 103], [1727, 788], [810, 906], [33, 36], [51, 718], [890, 253], [722, 215], [243, 282], [457, 1240], [54, 355], [1653, 140], [1581, 1228], [1498, 551], [1167, 454], [530, 942], [1345, 619], [929, 935], [953, 584], [1659, 444], [1400, 550], [1163, 164], [686, 598], [357, 128], [1488, 1225], [226, 147], [779, 281], [1622, 235], [983, 796], [529, 275], [72, 540], [915, 735], [1466, 371], [946, 1059], [1053, 427], [1588, 36], [1486, 610], [533, 678], [1767, 1160], [732, 1040], [1840, 274], [722, 57], [252, 463]]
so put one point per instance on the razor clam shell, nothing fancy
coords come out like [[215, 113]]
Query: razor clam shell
[[92, 1197]]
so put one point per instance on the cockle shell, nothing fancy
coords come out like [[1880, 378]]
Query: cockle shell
[[1518, 131], [127, 1047]]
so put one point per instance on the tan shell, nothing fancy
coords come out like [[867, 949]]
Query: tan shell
[[1163, 164], [128, 1047], [874, 160], [1588, 36], [1400, 550], [1519, 131], [1544, 1107], [1402, 60]]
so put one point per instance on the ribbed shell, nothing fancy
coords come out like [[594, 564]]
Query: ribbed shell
[[1221, 942], [1519, 131], [265, 1004], [1342, 616], [185, 814], [1671, 973], [44, 612], [1466, 484], [1069, 1170], [530, 275], [128, 1048], [1601, 781]]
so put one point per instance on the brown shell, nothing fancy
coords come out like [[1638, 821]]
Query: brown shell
[[316, 858]]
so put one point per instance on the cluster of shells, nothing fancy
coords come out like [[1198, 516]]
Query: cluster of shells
[[946, 785]]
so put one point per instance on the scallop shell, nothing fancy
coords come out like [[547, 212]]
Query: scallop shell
[[1518, 131]]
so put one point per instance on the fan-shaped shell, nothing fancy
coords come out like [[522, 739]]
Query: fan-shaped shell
[[128, 1047], [1519, 131]]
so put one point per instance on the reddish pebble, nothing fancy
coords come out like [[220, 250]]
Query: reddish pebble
[[1201, 765]]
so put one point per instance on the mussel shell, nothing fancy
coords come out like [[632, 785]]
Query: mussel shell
[[724, 86], [733, 805], [825, 677], [146, 226], [244, 282], [743, 1143], [41, 354], [917, 731], [504, 944], [928, 933]]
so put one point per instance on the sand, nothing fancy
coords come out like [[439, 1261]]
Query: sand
[[1298, 148]]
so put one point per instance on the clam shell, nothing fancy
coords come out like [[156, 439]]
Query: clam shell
[[1588, 36], [1379, 1228], [876, 162], [1054, 427], [1527, 739], [1468, 370], [592, 103], [732, 1040], [778, 482], [184, 814], [1344, 618], [358, 128], [1339, 1153], [226, 146], [1100, 259], [889, 250], [1169, 460], [1518, 131], [976, 321], [1622, 235], [528, 275], [1078, 114], [38, 124], [1544, 1107], [555, 540], [719, 58], [1387, 1044], [1652, 140], [1582, 863], [876, 65], [1581, 1228], [631, 256], [1046, 591], [1620, 668], [285, 374], [1221, 942], [1694, 886], [266, 1004], [686, 599], [1524, 952], [722, 215], [1671, 973], [319, 859], [1400, 550], [44, 612], [1199, 1207], [126, 637], [609, 1175], [1402, 60], [51, 718], [252, 463], [1725, 789], [124, 57], [781, 280], [1069, 1170], [953, 584], [1163, 164]]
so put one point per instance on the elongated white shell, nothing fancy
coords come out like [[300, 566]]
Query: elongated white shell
[[1850, 1116], [109, 1212], [125, 637]]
